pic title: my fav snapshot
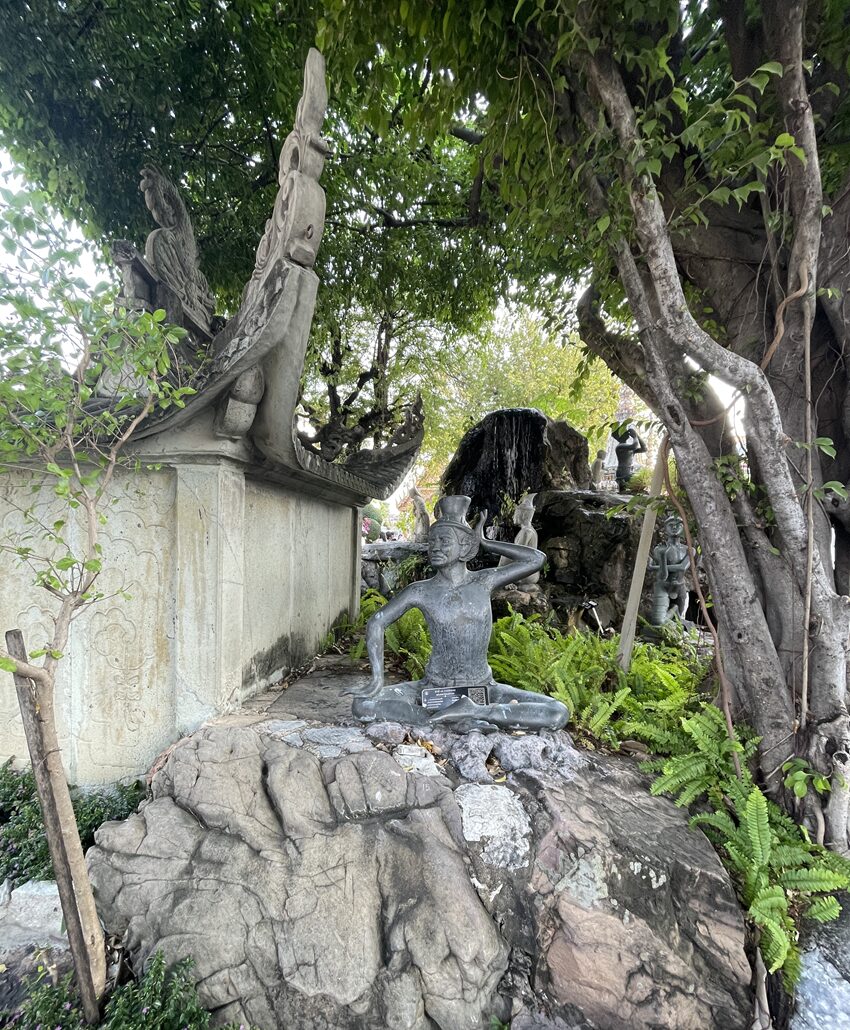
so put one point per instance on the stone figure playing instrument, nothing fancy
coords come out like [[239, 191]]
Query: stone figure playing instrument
[[527, 536], [670, 562], [458, 688], [628, 445]]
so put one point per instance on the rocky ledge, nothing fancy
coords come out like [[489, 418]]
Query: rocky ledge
[[336, 877]]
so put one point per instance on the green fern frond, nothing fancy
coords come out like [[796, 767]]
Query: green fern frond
[[791, 968], [769, 903], [814, 880], [823, 910], [756, 879], [758, 827], [680, 771], [790, 856], [719, 821], [775, 943], [739, 858]]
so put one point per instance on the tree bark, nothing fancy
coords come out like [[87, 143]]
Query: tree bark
[[768, 682]]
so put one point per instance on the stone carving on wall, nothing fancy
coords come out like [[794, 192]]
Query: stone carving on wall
[[171, 249], [168, 275]]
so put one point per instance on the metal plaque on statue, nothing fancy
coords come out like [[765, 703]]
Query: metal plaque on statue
[[434, 698]]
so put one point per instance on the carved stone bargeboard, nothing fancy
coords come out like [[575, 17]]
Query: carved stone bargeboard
[[254, 363]]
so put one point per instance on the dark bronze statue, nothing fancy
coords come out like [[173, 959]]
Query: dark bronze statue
[[458, 686], [670, 562], [628, 445]]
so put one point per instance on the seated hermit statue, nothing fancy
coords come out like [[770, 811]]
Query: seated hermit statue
[[458, 686]]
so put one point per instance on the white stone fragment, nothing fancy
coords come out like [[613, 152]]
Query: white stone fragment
[[413, 758], [32, 915], [495, 815]]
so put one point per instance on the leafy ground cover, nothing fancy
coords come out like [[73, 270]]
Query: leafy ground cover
[[23, 845], [161, 1000]]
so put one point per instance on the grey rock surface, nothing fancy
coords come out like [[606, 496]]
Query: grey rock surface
[[354, 891], [32, 915], [31, 937], [590, 551], [823, 993], [320, 694]]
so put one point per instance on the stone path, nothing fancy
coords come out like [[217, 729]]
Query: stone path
[[318, 694]]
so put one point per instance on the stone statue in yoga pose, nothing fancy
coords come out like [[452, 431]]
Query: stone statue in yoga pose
[[458, 688]]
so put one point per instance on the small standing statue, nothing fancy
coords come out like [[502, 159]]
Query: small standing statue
[[628, 445], [597, 471], [458, 688], [421, 521], [527, 536], [670, 561]]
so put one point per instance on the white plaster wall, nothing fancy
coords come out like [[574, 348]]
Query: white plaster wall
[[115, 698], [301, 558], [231, 582]]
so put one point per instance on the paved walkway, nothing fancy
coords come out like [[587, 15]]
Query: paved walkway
[[318, 694]]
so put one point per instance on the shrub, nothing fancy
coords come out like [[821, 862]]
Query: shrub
[[161, 1000], [23, 845]]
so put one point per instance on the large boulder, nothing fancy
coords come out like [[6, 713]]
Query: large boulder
[[591, 551], [512, 451], [340, 877]]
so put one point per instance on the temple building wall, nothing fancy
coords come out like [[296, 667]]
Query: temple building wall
[[231, 582]]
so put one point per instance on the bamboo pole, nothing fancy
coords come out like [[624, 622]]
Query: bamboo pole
[[627, 634]]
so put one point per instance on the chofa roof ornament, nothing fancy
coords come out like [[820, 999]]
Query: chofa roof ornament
[[254, 364]]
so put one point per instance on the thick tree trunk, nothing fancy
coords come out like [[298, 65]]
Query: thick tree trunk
[[756, 622]]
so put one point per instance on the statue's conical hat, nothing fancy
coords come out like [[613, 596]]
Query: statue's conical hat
[[527, 501], [451, 511]]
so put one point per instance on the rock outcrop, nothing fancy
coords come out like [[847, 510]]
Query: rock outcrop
[[512, 451], [591, 553], [340, 877]]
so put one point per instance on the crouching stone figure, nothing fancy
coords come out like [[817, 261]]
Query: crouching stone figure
[[458, 686]]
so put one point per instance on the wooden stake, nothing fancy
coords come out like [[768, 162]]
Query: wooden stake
[[627, 634], [87, 949]]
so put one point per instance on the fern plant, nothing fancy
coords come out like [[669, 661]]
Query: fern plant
[[407, 639], [780, 874], [702, 761]]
